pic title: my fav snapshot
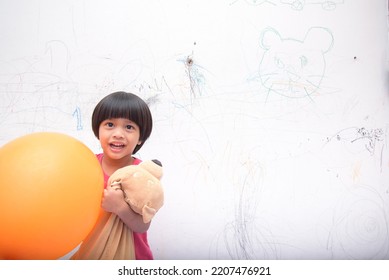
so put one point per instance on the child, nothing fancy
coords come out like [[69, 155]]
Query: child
[[122, 122]]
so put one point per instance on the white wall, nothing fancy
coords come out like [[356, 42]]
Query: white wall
[[271, 119]]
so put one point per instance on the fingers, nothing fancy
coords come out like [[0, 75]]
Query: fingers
[[116, 186]]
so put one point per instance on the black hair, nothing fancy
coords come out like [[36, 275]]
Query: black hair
[[126, 105]]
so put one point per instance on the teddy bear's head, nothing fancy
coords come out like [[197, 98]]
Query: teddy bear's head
[[291, 67], [141, 187]]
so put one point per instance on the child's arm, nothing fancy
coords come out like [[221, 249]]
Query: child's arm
[[113, 201]]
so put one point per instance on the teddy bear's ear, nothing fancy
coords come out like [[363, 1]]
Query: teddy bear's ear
[[153, 166], [157, 162], [319, 38], [148, 213], [269, 37]]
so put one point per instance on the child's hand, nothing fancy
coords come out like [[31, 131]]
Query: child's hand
[[113, 200]]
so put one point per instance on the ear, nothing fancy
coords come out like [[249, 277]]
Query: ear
[[319, 38], [268, 38], [154, 167], [148, 213]]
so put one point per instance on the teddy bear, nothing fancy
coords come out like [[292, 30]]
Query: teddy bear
[[141, 187], [294, 68], [142, 191]]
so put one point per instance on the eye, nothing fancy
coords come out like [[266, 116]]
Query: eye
[[303, 61], [109, 124], [278, 62], [129, 127]]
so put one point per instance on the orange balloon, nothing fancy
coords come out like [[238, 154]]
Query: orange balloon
[[50, 194]]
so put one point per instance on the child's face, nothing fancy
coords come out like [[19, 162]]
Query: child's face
[[118, 137]]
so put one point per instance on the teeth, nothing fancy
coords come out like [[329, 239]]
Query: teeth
[[117, 145]]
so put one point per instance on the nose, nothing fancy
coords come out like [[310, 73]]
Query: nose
[[118, 133]]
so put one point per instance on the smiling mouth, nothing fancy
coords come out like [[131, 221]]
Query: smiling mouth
[[116, 145]]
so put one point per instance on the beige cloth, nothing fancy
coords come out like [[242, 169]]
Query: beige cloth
[[110, 239]]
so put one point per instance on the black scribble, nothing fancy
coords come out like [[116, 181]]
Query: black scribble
[[195, 76], [152, 100], [370, 138]]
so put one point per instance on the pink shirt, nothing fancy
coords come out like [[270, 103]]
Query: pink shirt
[[142, 248]]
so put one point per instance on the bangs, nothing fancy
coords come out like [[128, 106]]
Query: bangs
[[120, 109]]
